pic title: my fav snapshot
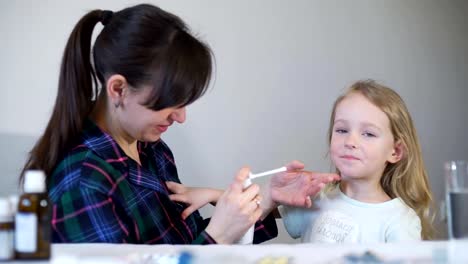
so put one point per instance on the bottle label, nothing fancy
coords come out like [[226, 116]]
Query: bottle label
[[26, 232]]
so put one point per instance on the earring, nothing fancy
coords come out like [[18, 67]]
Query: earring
[[117, 104]]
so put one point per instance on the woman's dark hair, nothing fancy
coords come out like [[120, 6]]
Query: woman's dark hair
[[143, 43]]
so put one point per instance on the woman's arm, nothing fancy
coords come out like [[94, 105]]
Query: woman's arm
[[198, 197], [84, 214], [235, 212]]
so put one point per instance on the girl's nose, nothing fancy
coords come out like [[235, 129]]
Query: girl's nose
[[351, 141]]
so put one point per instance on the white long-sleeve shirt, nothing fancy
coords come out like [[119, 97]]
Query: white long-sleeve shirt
[[336, 218]]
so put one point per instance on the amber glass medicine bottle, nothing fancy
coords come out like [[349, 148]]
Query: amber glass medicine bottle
[[6, 230], [32, 220]]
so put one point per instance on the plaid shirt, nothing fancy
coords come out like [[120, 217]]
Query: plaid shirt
[[99, 194]]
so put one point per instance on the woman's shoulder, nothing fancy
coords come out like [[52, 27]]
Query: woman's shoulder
[[80, 164], [94, 151]]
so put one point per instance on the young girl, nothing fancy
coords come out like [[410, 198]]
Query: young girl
[[383, 195]]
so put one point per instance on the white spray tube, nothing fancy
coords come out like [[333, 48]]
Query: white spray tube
[[247, 238]]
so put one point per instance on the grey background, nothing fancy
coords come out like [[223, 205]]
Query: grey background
[[279, 67]]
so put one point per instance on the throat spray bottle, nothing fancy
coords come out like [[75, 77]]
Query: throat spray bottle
[[247, 238]]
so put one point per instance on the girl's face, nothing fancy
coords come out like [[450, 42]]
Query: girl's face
[[362, 142], [143, 124]]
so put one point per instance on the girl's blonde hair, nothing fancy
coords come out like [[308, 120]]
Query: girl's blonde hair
[[407, 178]]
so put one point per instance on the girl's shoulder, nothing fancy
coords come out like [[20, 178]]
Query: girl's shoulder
[[402, 209], [330, 192], [403, 224]]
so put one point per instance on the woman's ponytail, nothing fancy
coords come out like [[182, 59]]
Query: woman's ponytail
[[77, 90]]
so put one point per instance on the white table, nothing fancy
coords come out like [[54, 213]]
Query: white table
[[422, 252]]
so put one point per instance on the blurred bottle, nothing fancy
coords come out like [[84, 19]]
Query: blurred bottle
[[13, 203], [6, 230], [32, 220]]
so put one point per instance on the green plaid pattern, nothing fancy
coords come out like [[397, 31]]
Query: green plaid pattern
[[99, 194]]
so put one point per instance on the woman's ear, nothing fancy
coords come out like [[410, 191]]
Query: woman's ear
[[397, 153], [116, 86]]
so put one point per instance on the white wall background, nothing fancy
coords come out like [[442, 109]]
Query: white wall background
[[280, 65]]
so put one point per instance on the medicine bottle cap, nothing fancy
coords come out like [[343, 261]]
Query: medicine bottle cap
[[34, 181], [6, 215]]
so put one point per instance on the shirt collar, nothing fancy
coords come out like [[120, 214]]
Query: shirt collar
[[105, 146]]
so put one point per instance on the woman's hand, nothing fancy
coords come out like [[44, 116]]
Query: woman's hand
[[194, 197], [236, 211], [295, 186]]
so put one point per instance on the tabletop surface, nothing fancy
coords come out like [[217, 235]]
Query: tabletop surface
[[420, 252]]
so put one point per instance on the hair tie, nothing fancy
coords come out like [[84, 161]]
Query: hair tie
[[106, 16]]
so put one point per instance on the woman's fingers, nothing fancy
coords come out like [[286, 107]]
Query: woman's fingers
[[237, 188], [308, 202], [252, 210], [247, 198], [326, 177], [295, 165], [250, 206], [256, 214], [250, 193], [238, 184], [316, 178]]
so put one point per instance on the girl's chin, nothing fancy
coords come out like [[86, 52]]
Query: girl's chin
[[349, 176]]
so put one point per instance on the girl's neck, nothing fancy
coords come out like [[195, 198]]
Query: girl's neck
[[106, 121], [364, 191]]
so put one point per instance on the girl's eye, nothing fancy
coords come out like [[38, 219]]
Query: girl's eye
[[369, 134], [341, 131]]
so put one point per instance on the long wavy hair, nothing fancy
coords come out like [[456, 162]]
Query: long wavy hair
[[407, 178]]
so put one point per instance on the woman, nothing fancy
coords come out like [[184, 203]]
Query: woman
[[102, 152]]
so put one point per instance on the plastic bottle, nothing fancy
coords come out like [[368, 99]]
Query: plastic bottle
[[6, 230], [247, 238], [32, 220], [13, 203]]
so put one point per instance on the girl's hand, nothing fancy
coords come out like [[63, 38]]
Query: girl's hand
[[295, 186], [194, 197], [236, 211]]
